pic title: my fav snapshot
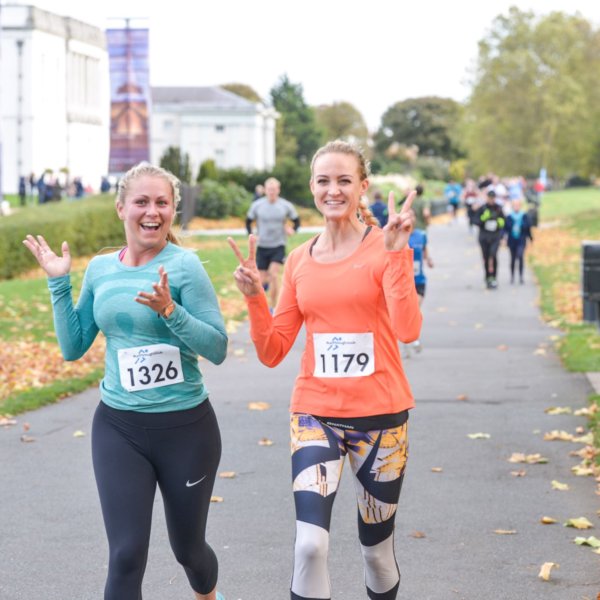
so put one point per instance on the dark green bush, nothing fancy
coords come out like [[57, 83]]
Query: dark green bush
[[217, 201], [87, 225]]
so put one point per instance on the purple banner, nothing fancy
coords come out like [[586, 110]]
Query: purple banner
[[129, 98]]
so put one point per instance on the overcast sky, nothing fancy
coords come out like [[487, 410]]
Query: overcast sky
[[370, 53]]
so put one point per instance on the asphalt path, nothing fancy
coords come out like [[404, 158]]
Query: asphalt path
[[487, 366]]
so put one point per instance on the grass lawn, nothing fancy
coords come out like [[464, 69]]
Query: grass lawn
[[567, 218]]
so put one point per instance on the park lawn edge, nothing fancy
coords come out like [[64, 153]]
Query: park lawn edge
[[35, 398]]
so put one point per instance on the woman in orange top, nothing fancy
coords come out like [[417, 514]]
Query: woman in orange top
[[352, 286]]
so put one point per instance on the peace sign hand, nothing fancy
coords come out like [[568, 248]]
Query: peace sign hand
[[54, 265], [246, 275], [400, 224]]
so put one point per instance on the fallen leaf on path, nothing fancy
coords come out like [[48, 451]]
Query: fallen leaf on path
[[587, 439], [592, 541], [548, 520], [462, 397], [239, 352], [259, 405], [78, 434], [545, 570], [582, 470], [559, 410], [540, 352], [27, 438], [265, 442], [587, 411], [26, 426], [479, 436], [436, 469], [216, 499], [478, 325], [417, 535], [561, 487], [579, 523], [7, 421], [531, 459], [505, 531], [518, 473], [502, 347], [227, 474], [556, 435]]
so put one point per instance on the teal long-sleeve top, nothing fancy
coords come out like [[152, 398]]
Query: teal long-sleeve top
[[106, 303]]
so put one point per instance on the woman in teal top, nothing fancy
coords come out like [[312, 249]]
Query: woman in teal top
[[154, 425]]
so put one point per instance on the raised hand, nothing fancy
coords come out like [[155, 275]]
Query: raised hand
[[246, 275], [161, 297], [400, 224], [54, 265]]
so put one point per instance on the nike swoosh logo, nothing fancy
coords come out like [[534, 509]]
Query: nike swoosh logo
[[188, 484]]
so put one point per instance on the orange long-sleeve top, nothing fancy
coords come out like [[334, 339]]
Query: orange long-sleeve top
[[355, 310]]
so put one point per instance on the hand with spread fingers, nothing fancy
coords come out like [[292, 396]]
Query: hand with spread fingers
[[400, 224], [54, 265], [247, 276], [160, 299]]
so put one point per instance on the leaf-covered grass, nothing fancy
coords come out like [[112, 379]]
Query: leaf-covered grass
[[26, 318], [568, 217]]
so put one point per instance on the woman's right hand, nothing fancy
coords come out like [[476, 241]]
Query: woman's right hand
[[54, 265], [246, 275]]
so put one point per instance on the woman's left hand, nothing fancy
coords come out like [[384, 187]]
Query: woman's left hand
[[161, 297], [400, 224]]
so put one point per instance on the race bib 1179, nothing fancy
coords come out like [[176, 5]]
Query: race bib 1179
[[343, 354]]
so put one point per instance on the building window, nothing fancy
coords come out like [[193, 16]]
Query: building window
[[220, 128]]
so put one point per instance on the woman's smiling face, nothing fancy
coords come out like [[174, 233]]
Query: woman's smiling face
[[147, 212], [337, 186]]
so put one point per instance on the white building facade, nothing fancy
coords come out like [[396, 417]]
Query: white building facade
[[54, 97], [212, 123]]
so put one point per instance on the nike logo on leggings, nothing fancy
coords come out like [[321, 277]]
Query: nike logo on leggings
[[188, 484]]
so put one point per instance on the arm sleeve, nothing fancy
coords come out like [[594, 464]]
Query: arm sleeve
[[274, 336], [249, 225], [296, 223], [197, 321], [401, 295], [75, 327]]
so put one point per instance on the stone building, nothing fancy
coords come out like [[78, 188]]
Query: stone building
[[212, 123], [54, 96]]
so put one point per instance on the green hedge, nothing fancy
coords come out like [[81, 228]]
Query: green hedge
[[88, 225], [217, 200]]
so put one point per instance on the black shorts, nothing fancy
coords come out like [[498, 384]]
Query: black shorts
[[266, 256], [420, 289]]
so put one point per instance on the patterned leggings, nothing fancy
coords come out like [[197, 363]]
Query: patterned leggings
[[377, 459]]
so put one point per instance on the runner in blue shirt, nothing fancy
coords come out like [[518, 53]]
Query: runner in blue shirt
[[418, 242]]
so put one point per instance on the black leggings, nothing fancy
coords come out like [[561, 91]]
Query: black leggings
[[489, 250], [132, 452]]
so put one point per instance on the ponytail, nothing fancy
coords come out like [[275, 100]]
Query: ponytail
[[366, 215]]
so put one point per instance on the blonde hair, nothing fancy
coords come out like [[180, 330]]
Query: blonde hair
[[341, 147], [146, 169]]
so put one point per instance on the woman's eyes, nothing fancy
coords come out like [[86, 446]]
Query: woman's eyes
[[340, 182]]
